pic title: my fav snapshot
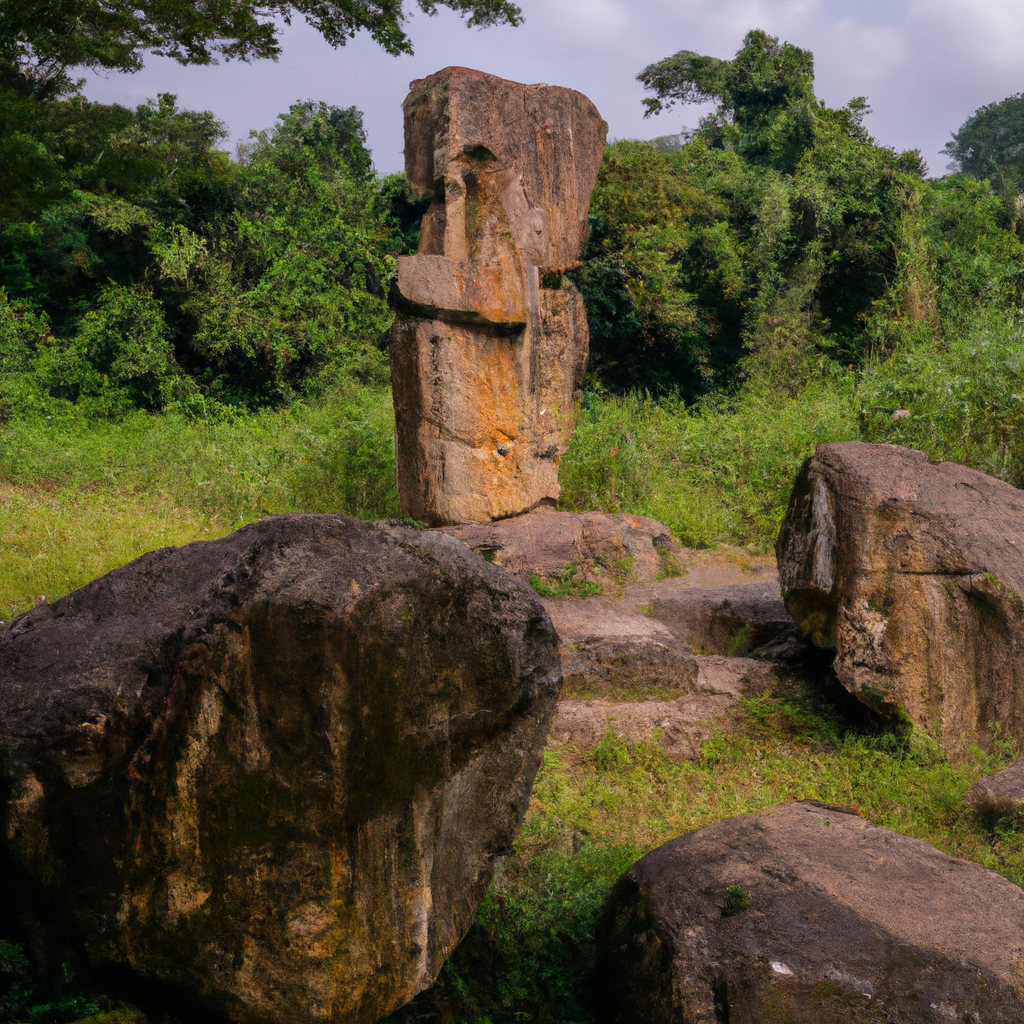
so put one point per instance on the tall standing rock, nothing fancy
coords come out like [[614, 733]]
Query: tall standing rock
[[267, 776], [491, 341], [914, 571]]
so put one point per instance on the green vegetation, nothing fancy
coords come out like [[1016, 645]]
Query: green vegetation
[[736, 899], [78, 498], [990, 145], [570, 582], [529, 954], [42, 42], [190, 342]]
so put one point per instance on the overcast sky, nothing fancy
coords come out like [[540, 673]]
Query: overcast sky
[[924, 65]]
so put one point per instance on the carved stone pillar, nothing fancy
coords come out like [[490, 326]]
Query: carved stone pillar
[[490, 344]]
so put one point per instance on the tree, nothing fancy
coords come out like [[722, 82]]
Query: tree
[[44, 40], [759, 246], [990, 141], [765, 94]]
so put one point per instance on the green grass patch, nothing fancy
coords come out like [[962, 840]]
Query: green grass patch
[[717, 472], [530, 951], [569, 583], [79, 497]]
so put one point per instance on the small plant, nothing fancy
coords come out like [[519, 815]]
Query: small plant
[[569, 583], [668, 567], [736, 899], [622, 569], [739, 641], [611, 753]]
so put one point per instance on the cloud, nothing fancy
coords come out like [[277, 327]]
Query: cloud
[[590, 20], [924, 65]]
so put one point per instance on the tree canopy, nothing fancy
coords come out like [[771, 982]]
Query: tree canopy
[[991, 140], [765, 238], [44, 40]]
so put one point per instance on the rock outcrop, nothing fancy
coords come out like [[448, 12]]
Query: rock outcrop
[[491, 340], [811, 915], [596, 546], [914, 572], [730, 621], [999, 794], [642, 661], [269, 774]]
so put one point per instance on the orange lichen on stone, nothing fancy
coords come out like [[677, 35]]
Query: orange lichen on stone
[[491, 342]]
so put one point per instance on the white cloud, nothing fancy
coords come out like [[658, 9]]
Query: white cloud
[[923, 64], [588, 20]]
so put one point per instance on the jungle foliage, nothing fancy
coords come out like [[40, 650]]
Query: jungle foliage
[[777, 240], [190, 342], [43, 41], [141, 268]]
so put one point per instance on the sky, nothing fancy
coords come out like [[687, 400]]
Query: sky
[[924, 65]]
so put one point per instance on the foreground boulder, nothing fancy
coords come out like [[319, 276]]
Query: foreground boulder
[[914, 572], [269, 774], [810, 915], [490, 343]]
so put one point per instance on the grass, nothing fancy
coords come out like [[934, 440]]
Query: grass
[[529, 954], [569, 583], [78, 498], [713, 473]]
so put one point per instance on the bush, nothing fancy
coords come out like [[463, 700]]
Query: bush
[[119, 359], [961, 400], [717, 472]]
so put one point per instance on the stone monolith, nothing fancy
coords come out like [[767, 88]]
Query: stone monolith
[[491, 342]]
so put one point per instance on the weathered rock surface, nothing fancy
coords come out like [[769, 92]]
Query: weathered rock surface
[[270, 773], [999, 794], [600, 546], [914, 572], [679, 726], [627, 667], [847, 922], [631, 663], [725, 620], [491, 341]]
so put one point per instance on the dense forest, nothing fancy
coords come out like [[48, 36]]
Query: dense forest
[[175, 318], [190, 340], [776, 247]]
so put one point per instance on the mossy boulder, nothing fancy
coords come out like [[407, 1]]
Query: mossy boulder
[[265, 778], [808, 914]]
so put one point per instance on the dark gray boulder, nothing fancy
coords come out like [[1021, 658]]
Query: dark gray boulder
[[810, 915], [269, 774]]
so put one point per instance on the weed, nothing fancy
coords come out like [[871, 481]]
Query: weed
[[668, 567], [736, 899], [569, 583], [739, 641]]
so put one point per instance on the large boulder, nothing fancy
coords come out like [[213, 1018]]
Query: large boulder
[[913, 571], [267, 776], [810, 915], [490, 343]]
